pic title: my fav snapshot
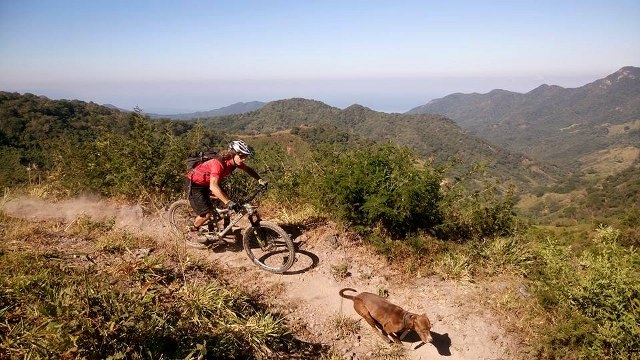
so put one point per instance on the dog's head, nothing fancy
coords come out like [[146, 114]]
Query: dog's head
[[422, 326]]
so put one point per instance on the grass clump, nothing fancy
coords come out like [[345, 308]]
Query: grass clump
[[340, 271], [344, 326]]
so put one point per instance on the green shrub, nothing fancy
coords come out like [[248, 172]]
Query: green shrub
[[594, 299], [140, 160], [381, 187], [11, 171], [487, 211]]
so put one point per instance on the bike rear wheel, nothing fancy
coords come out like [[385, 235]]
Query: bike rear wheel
[[269, 247], [181, 216]]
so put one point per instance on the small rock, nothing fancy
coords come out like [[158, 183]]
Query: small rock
[[141, 253]]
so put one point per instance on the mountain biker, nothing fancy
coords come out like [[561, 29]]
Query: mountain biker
[[205, 179]]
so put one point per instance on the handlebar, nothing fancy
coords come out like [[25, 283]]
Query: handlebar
[[260, 189]]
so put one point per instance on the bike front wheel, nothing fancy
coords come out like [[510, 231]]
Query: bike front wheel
[[269, 247], [181, 216]]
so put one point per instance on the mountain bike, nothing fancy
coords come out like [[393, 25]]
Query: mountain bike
[[266, 244]]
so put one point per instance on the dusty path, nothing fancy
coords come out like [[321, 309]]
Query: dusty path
[[463, 324]]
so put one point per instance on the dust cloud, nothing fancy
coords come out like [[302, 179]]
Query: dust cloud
[[130, 217]]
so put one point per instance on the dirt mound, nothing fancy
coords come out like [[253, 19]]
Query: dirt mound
[[463, 324]]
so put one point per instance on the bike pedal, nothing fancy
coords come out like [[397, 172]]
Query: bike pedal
[[212, 240], [216, 244]]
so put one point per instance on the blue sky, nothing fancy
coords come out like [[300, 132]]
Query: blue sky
[[183, 56]]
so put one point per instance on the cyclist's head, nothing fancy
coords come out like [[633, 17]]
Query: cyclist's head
[[241, 148]]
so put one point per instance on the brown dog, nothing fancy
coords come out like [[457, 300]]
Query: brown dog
[[390, 318]]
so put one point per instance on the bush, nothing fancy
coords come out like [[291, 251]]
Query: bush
[[485, 212], [381, 187], [11, 171], [594, 298]]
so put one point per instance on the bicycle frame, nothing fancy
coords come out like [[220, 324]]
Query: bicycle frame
[[246, 210]]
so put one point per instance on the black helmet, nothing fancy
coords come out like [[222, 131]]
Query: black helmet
[[241, 147]]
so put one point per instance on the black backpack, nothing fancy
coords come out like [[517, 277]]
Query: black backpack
[[197, 158]]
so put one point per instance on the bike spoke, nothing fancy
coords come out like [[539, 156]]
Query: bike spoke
[[269, 247]]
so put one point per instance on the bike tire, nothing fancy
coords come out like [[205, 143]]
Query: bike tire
[[181, 216], [278, 252]]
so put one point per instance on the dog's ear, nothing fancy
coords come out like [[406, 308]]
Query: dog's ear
[[427, 318]]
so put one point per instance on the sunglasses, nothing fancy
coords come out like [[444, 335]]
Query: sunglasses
[[243, 156]]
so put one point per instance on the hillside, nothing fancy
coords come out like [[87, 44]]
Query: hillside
[[431, 136], [553, 124]]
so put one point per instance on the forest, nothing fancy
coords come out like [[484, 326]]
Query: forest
[[580, 260]]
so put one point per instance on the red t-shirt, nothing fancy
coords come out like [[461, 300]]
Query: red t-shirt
[[217, 168]]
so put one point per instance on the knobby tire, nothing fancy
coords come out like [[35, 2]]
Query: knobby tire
[[277, 253], [181, 217]]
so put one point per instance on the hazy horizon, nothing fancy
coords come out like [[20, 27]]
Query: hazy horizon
[[390, 56]]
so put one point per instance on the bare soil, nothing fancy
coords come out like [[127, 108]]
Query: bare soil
[[464, 316]]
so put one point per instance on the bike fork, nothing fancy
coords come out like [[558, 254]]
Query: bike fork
[[254, 219]]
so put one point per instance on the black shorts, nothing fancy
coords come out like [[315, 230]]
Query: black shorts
[[199, 199]]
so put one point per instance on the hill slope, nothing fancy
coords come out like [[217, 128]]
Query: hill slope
[[429, 135], [551, 123]]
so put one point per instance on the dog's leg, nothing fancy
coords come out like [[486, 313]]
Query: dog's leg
[[378, 329], [395, 338], [374, 324]]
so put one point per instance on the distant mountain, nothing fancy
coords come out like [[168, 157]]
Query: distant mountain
[[113, 107], [237, 108], [429, 135], [569, 127]]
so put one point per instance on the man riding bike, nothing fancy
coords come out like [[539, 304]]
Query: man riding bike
[[206, 178]]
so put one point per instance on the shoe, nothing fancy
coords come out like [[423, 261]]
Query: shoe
[[196, 237]]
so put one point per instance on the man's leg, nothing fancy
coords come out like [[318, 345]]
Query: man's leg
[[201, 204], [200, 219]]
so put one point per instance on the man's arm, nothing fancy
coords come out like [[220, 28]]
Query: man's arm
[[216, 190], [249, 170]]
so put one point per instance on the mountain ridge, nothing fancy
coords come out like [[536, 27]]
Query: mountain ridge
[[536, 123], [236, 108]]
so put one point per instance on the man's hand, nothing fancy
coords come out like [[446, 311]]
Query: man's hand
[[263, 182], [233, 206]]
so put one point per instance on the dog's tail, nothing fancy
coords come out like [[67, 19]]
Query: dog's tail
[[350, 297]]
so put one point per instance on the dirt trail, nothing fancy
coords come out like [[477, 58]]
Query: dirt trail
[[463, 325]]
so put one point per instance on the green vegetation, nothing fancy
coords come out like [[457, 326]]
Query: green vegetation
[[429, 136], [380, 187], [426, 216], [612, 200], [592, 298], [93, 291]]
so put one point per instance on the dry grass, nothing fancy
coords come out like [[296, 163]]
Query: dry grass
[[340, 271], [89, 290], [609, 161], [529, 201], [389, 352], [344, 326], [623, 128]]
